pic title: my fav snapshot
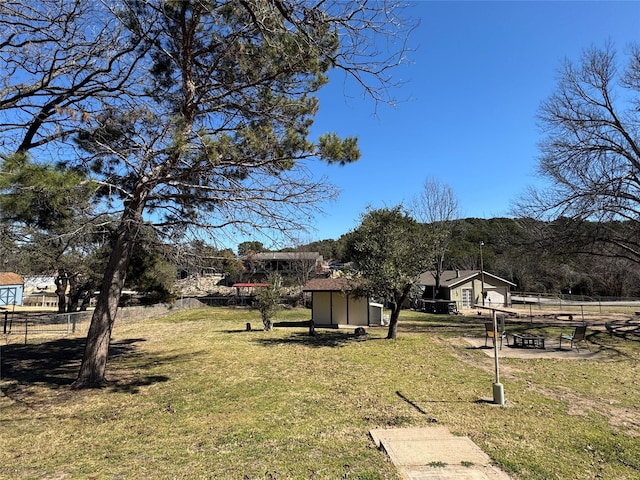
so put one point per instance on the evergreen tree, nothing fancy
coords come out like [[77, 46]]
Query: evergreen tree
[[196, 114]]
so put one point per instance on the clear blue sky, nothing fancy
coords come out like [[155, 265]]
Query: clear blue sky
[[475, 82]]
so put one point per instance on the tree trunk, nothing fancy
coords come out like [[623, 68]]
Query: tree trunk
[[268, 324], [86, 299], [74, 293], [437, 276], [395, 311], [62, 281], [94, 361], [393, 322]]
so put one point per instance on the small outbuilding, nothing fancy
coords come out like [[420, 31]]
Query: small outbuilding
[[11, 289], [467, 288], [333, 304]]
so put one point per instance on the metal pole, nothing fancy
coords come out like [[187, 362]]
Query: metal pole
[[495, 344], [498, 389], [482, 274]]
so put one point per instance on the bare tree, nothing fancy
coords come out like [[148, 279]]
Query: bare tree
[[437, 207], [590, 153]]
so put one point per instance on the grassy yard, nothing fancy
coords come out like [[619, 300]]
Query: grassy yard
[[195, 395]]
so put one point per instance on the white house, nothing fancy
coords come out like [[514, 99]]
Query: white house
[[467, 287]]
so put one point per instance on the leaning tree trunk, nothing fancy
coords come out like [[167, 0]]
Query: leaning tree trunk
[[395, 312], [393, 322], [94, 361]]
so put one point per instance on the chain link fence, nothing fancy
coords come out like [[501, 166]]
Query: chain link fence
[[575, 307], [21, 325]]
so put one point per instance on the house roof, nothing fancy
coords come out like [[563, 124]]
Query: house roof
[[330, 285], [284, 256], [10, 278], [36, 280], [453, 278]]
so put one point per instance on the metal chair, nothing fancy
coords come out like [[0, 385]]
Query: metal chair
[[579, 335], [488, 331]]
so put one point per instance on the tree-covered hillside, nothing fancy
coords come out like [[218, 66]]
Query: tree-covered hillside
[[564, 256]]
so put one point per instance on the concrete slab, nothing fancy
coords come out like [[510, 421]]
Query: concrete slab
[[433, 453], [452, 473], [418, 433], [552, 350], [452, 451]]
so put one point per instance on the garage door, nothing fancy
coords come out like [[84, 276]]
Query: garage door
[[495, 298]]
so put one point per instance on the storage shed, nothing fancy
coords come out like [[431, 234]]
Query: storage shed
[[11, 288], [334, 305]]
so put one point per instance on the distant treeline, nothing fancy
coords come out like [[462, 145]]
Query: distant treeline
[[565, 256]]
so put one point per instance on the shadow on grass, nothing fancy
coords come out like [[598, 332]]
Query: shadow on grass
[[609, 345], [321, 338], [618, 338], [258, 327], [627, 329], [417, 407], [56, 363], [600, 346], [457, 325]]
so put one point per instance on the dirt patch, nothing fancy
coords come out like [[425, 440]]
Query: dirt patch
[[624, 419]]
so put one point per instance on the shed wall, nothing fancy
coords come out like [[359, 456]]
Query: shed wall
[[358, 311], [321, 308], [336, 308]]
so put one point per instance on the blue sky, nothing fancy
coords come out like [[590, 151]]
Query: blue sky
[[476, 78]]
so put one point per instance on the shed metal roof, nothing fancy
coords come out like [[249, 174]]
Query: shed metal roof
[[330, 285], [284, 256]]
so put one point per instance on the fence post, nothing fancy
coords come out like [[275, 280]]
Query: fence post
[[6, 317]]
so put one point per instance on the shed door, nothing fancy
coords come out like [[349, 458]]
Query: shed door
[[467, 297], [8, 295]]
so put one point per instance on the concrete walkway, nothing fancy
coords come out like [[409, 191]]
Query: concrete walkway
[[433, 453]]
